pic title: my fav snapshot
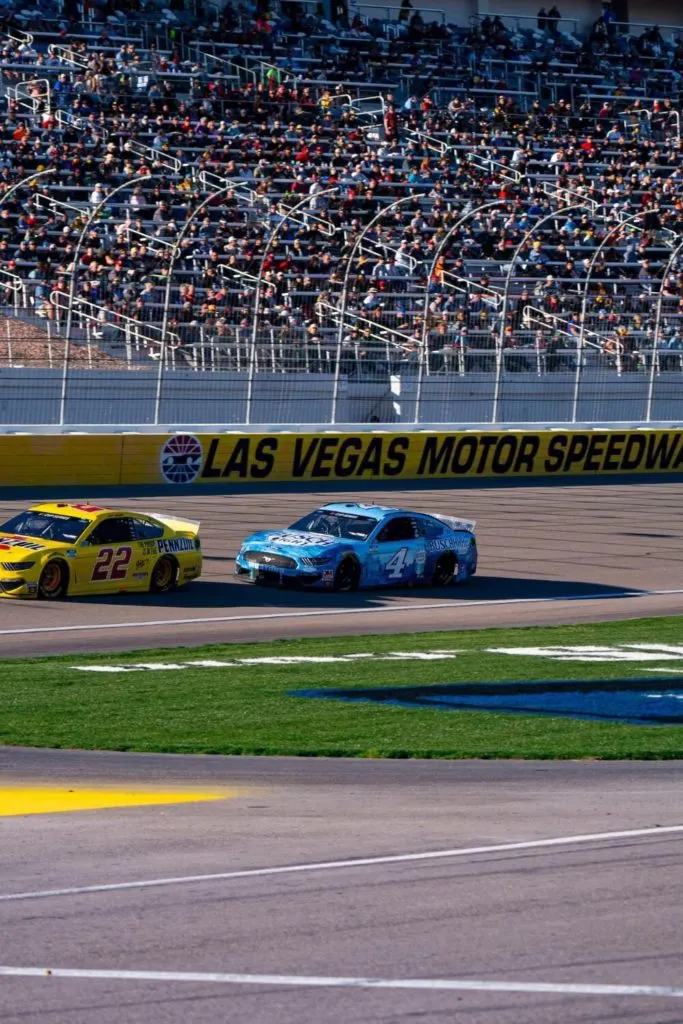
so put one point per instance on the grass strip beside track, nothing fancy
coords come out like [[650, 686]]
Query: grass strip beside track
[[249, 709]]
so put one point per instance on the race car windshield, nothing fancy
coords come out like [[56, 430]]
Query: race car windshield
[[47, 525], [336, 524]]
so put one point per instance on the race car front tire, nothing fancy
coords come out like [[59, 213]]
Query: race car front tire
[[347, 576], [54, 580], [164, 575], [445, 570]]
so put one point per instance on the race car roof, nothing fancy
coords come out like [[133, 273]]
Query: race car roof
[[81, 510], [358, 508]]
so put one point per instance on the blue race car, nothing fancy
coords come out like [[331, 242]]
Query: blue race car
[[346, 545]]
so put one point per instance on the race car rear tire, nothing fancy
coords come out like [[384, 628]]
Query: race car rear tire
[[54, 580], [347, 576], [445, 570], [164, 575]]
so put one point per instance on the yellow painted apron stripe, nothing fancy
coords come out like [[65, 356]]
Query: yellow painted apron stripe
[[19, 800]]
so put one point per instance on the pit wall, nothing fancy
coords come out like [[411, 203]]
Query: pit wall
[[206, 460]]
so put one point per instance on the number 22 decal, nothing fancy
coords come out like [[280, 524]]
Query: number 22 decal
[[397, 563], [112, 564]]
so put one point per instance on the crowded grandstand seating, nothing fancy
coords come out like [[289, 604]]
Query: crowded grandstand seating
[[377, 197]]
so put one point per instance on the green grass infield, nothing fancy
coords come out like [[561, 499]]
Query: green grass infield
[[238, 703]]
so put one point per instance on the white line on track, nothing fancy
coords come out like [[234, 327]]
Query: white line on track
[[340, 611], [359, 862], [306, 981]]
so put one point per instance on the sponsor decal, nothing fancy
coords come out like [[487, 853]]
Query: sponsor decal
[[172, 545], [339, 659], [6, 543], [149, 547], [71, 553], [302, 540], [181, 459], [634, 701], [440, 544], [139, 575]]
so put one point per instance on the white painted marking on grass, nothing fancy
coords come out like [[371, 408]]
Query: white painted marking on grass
[[296, 659], [359, 862], [321, 981], [676, 649], [593, 653]]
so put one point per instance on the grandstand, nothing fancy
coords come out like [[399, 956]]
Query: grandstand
[[232, 215]]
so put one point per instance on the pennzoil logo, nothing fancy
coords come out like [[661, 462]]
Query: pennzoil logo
[[181, 459]]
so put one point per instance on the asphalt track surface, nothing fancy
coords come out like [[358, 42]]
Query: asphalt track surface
[[548, 555], [596, 912]]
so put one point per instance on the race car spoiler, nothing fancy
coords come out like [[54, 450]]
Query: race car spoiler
[[456, 524], [175, 522]]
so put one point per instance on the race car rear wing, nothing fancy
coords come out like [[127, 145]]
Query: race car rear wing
[[177, 522], [456, 524]]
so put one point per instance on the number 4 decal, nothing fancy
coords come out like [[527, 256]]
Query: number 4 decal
[[112, 565], [396, 564]]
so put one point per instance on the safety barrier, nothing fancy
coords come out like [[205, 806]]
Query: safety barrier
[[184, 459]]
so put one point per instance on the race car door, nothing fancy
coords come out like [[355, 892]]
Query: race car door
[[105, 556], [400, 551]]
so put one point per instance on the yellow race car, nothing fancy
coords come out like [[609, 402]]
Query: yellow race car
[[60, 549]]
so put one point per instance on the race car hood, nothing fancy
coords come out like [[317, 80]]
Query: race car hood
[[23, 547], [296, 542]]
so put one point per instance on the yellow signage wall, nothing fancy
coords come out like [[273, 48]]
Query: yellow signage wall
[[209, 459]]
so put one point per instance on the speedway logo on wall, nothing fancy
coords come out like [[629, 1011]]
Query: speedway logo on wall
[[181, 459]]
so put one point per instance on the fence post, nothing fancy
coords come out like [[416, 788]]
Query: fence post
[[259, 282], [655, 341], [92, 217], [424, 355], [626, 222], [341, 312], [500, 347]]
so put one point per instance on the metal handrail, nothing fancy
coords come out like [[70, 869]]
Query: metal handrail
[[377, 331], [43, 200], [379, 250], [212, 182], [429, 141], [466, 285], [306, 218], [225, 269], [64, 117], [155, 243], [533, 315], [375, 112], [91, 312], [563, 194], [153, 155], [523, 17], [23, 38], [68, 55], [487, 163], [391, 7], [30, 102]]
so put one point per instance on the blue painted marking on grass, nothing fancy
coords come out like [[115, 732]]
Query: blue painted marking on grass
[[634, 701]]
